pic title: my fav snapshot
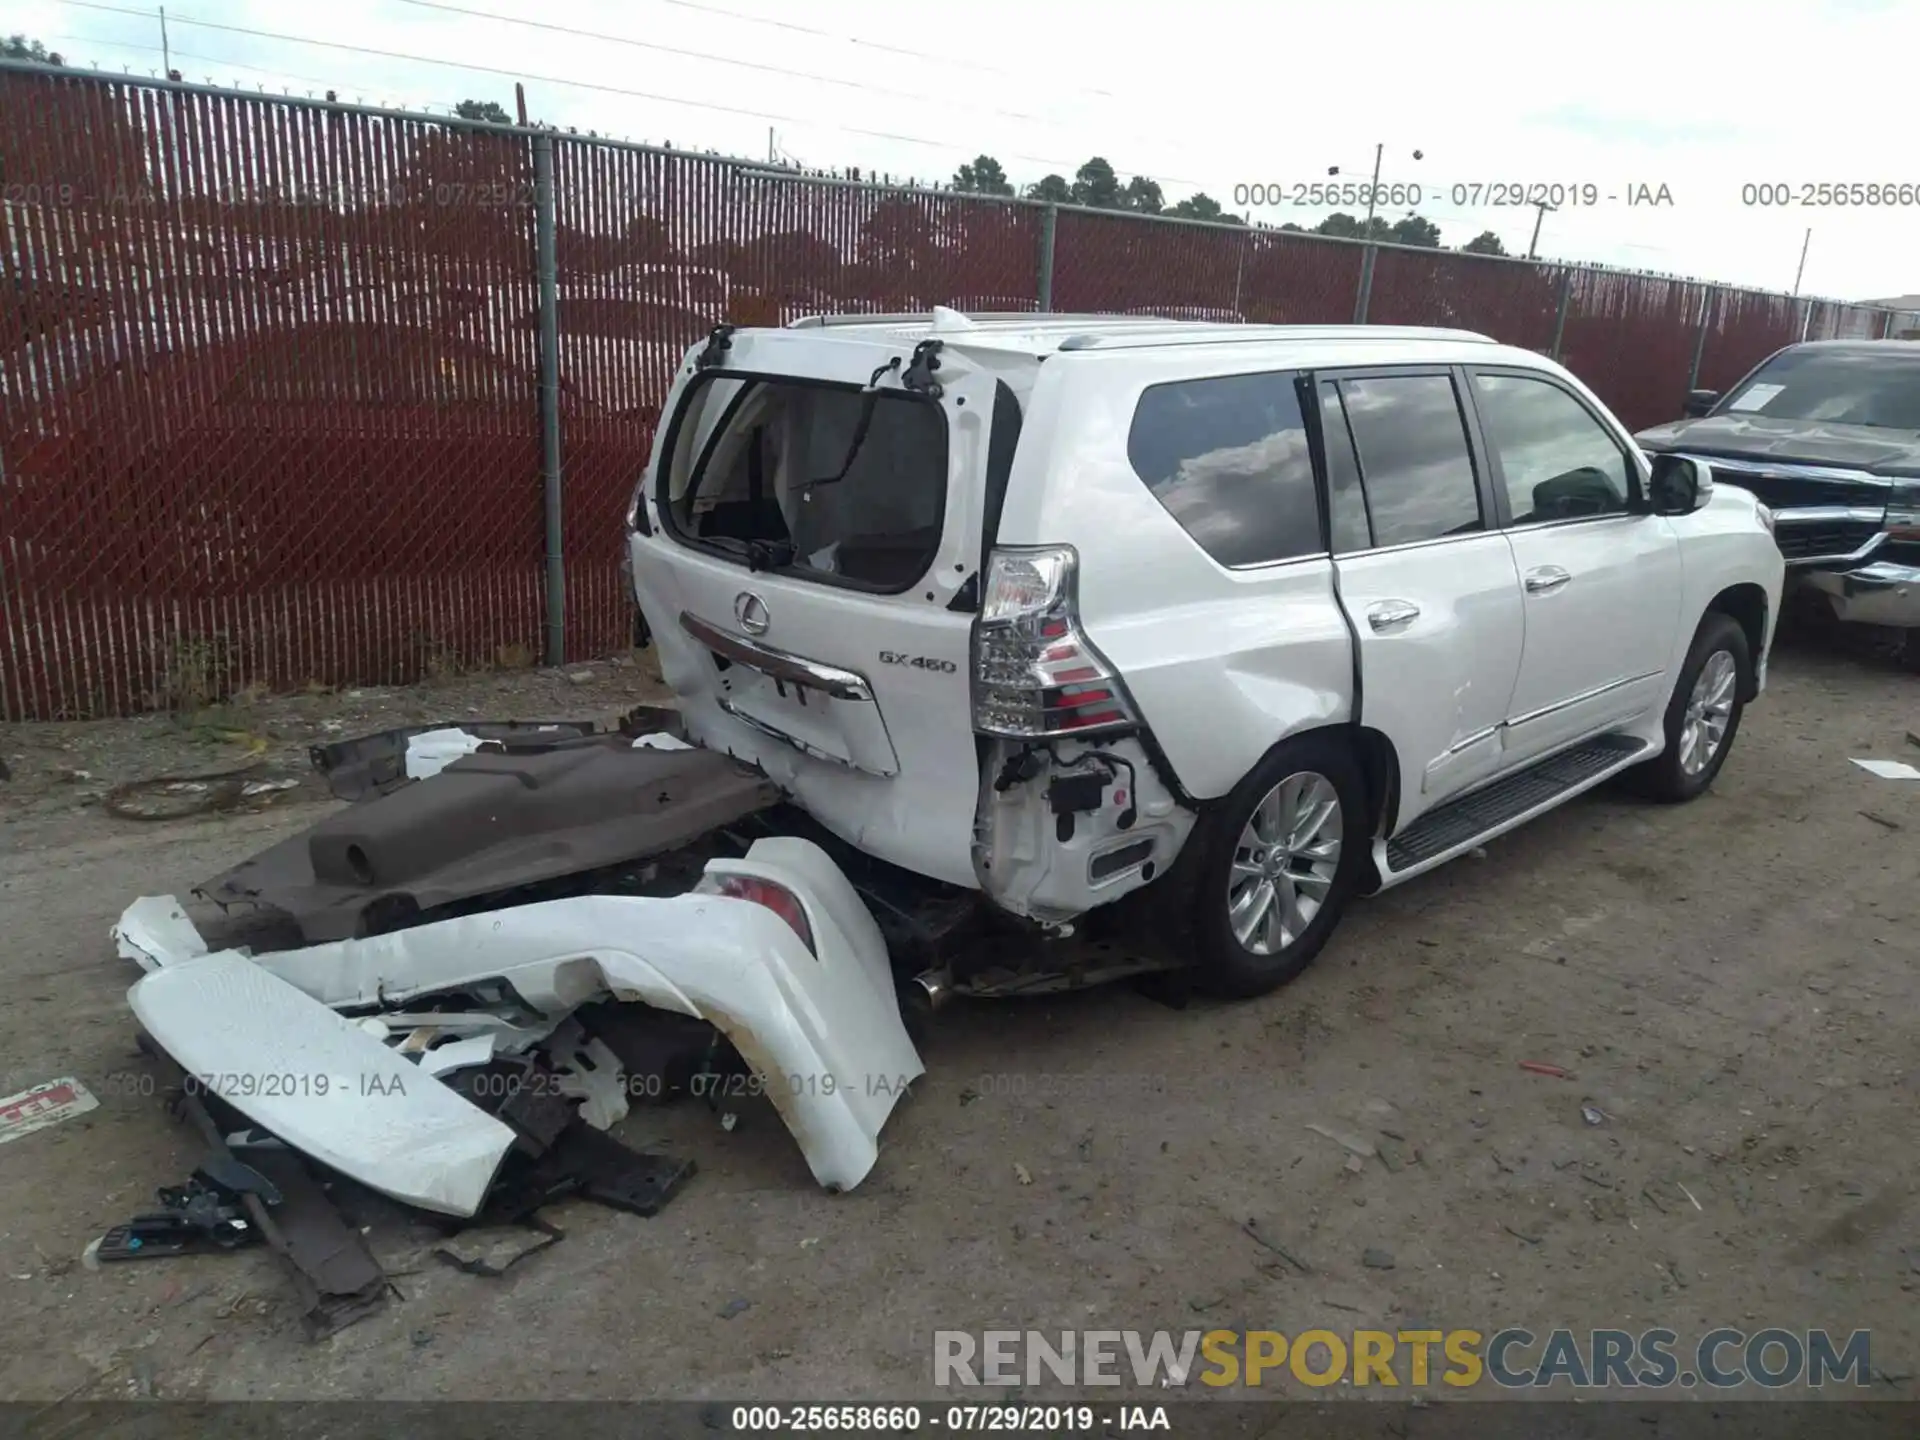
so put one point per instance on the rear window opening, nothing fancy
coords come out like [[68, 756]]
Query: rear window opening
[[815, 479]]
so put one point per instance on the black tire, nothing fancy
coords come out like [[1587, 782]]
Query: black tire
[[1224, 965], [1666, 778]]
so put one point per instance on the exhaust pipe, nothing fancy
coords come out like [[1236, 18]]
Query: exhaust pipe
[[936, 987]]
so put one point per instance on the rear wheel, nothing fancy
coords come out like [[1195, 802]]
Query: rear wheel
[[1281, 857], [1704, 714]]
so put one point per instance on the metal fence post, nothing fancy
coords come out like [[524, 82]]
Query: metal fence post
[[1049, 227], [1707, 303], [1560, 313], [547, 278], [1366, 285]]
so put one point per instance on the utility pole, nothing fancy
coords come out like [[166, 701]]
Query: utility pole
[[1373, 189], [520, 102], [166, 50], [769, 145], [1801, 272], [1541, 207]]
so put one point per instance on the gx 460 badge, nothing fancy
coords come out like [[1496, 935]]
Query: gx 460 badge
[[918, 662]]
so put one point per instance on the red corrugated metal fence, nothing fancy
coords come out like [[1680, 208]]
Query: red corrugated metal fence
[[269, 408]]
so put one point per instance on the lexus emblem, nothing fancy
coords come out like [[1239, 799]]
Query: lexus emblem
[[751, 611]]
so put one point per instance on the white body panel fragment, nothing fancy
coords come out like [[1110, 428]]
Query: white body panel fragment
[[821, 1029], [320, 1082]]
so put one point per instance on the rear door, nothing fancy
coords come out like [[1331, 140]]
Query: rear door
[[812, 571], [1425, 576]]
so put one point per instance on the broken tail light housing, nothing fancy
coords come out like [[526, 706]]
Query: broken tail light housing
[[777, 898], [1035, 673]]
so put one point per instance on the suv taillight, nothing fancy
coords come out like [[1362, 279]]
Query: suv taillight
[[1034, 673], [777, 898]]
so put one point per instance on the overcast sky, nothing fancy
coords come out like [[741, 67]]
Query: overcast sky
[[1694, 95]]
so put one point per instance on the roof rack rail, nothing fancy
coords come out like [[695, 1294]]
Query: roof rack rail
[[812, 322], [1196, 334]]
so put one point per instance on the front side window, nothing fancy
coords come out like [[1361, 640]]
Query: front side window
[[1556, 460], [819, 479], [1414, 461], [1877, 386], [1228, 457]]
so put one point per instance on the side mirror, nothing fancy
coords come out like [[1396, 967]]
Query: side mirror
[[1699, 402], [1679, 485]]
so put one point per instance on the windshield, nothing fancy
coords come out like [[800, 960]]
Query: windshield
[[827, 481], [1879, 387]]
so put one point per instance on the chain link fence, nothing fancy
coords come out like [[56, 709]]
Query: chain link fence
[[297, 392]]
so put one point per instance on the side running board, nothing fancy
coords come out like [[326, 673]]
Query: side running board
[[1508, 802]]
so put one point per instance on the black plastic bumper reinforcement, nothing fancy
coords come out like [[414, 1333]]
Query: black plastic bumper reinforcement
[[1460, 821]]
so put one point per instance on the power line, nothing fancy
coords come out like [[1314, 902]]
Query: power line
[[761, 115], [150, 49], [870, 44], [703, 55]]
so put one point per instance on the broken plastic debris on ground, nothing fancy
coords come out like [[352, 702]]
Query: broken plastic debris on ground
[[497, 1036], [43, 1105]]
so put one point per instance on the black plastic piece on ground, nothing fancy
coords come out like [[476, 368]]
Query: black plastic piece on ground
[[1460, 821], [336, 1277], [623, 1179], [593, 1165]]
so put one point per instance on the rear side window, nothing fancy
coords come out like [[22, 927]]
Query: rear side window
[[1228, 458], [1413, 451]]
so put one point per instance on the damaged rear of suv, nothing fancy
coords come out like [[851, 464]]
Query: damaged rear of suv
[[826, 559], [1058, 611]]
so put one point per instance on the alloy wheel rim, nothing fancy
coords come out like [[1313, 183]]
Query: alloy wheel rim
[[1709, 712], [1284, 863]]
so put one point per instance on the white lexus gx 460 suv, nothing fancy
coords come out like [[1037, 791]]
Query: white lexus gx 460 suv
[[1178, 635]]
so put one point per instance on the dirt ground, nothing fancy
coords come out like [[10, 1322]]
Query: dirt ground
[[1731, 983]]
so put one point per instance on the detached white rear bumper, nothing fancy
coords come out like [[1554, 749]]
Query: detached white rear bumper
[[821, 1029]]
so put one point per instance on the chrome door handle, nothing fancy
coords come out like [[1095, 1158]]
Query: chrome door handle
[[1545, 579], [1391, 614]]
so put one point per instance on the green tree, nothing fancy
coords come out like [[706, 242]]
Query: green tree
[[1053, 188], [1485, 243], [982, 177], [1343, 226], [488, 110], [1143, 194], [19, 47], [1095, 184], [1202, 206], [1416, 231]]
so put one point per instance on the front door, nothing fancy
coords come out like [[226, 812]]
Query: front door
[[1600, 578], [1425, 576]]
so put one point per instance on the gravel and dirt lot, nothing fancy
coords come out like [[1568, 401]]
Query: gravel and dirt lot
[[1731, 985]]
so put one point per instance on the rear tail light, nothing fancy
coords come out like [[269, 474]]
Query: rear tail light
[[777, 898], [1034, 673]]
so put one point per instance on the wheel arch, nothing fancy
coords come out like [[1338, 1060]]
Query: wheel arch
[[1379, 766], [1746, 604]]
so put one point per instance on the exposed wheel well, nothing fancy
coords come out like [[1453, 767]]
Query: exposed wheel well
[[1378, 763], [1747, 604]]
